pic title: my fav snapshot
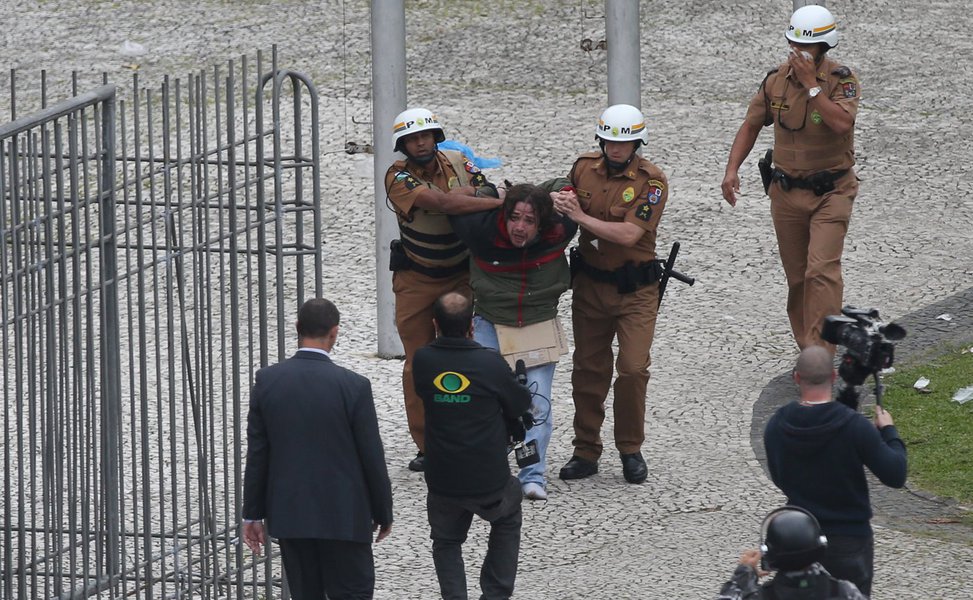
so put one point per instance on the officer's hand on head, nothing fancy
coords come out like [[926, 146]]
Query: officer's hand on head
[[804, 67], [882, 417], [731, 187]]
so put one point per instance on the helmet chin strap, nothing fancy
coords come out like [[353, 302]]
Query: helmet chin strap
[[613, 165], [425, 160]]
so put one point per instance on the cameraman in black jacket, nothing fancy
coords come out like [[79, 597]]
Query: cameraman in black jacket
[[470, 396], [817, 453]]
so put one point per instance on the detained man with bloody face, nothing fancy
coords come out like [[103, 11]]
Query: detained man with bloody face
[[518, 272]]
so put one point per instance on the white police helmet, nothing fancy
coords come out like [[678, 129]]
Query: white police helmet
[[622, 123], [812, 24], [412, 121]]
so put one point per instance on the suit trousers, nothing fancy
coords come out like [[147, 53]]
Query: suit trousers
[[599, 314], [414, 296], [450, 519], [334, 569], [810, 237]]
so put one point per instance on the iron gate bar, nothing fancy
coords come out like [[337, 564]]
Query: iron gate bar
[[115, 495]]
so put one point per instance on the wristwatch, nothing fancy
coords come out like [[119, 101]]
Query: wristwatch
[[814, 91]]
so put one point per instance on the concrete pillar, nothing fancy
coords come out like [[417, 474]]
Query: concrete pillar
[[388, 100], [624, 52]]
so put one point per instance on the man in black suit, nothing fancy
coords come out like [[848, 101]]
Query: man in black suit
[[470, 396], [316, 467]]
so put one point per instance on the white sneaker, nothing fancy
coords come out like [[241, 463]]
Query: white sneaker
[[533, 491]]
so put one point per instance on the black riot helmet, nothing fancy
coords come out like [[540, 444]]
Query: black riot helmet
[[792, 539]]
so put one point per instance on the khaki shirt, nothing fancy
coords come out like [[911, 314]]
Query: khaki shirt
[[803, 143], [636, 195]]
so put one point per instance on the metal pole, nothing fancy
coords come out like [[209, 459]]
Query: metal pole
[[111, 341], [624, 57], [388, 100]]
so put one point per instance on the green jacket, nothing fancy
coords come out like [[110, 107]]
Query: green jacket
[[515, 286]]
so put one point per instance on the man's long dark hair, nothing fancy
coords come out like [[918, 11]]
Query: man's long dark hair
[[534, 196]]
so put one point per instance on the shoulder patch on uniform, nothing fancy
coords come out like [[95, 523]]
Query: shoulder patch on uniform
[[401, 175], [478, 179], [849, 87], [471, 168], [842, 71], [411, 182], [644, 211], [656, 188]]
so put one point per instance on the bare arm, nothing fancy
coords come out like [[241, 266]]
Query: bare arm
[[742, 145]]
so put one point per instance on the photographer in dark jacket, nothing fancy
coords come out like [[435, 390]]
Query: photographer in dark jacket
[[816, 453], [792, 545], [470, 395]]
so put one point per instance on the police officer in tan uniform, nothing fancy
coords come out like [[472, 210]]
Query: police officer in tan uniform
[[428, 259], [812, 102], [617, 200]]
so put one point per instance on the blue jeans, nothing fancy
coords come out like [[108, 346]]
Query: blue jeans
[[539, 381]]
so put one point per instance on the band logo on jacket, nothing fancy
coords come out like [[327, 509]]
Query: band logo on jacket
[[451, 384]]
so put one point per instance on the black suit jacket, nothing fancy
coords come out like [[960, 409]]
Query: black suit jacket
[[315, 462]]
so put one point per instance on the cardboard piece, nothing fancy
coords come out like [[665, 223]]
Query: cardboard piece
[[536, 344]]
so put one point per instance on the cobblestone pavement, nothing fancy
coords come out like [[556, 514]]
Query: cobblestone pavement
[[510, 79]]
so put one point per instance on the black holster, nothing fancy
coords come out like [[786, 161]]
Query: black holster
[[574, 262], [398, 260], [765, 165]]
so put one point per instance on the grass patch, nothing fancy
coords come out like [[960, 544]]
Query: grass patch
[[937, 431]]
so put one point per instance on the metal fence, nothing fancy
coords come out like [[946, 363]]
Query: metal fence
[[153, 252]]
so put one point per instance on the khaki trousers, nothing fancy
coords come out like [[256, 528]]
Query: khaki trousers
[[810, 237], [599, 314], [414, 296]]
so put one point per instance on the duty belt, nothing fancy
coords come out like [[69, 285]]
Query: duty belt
[[819, 183], [627, 278], [400, 261]]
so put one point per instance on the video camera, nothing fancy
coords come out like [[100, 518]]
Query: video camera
[[868, 348], [525, 453]]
